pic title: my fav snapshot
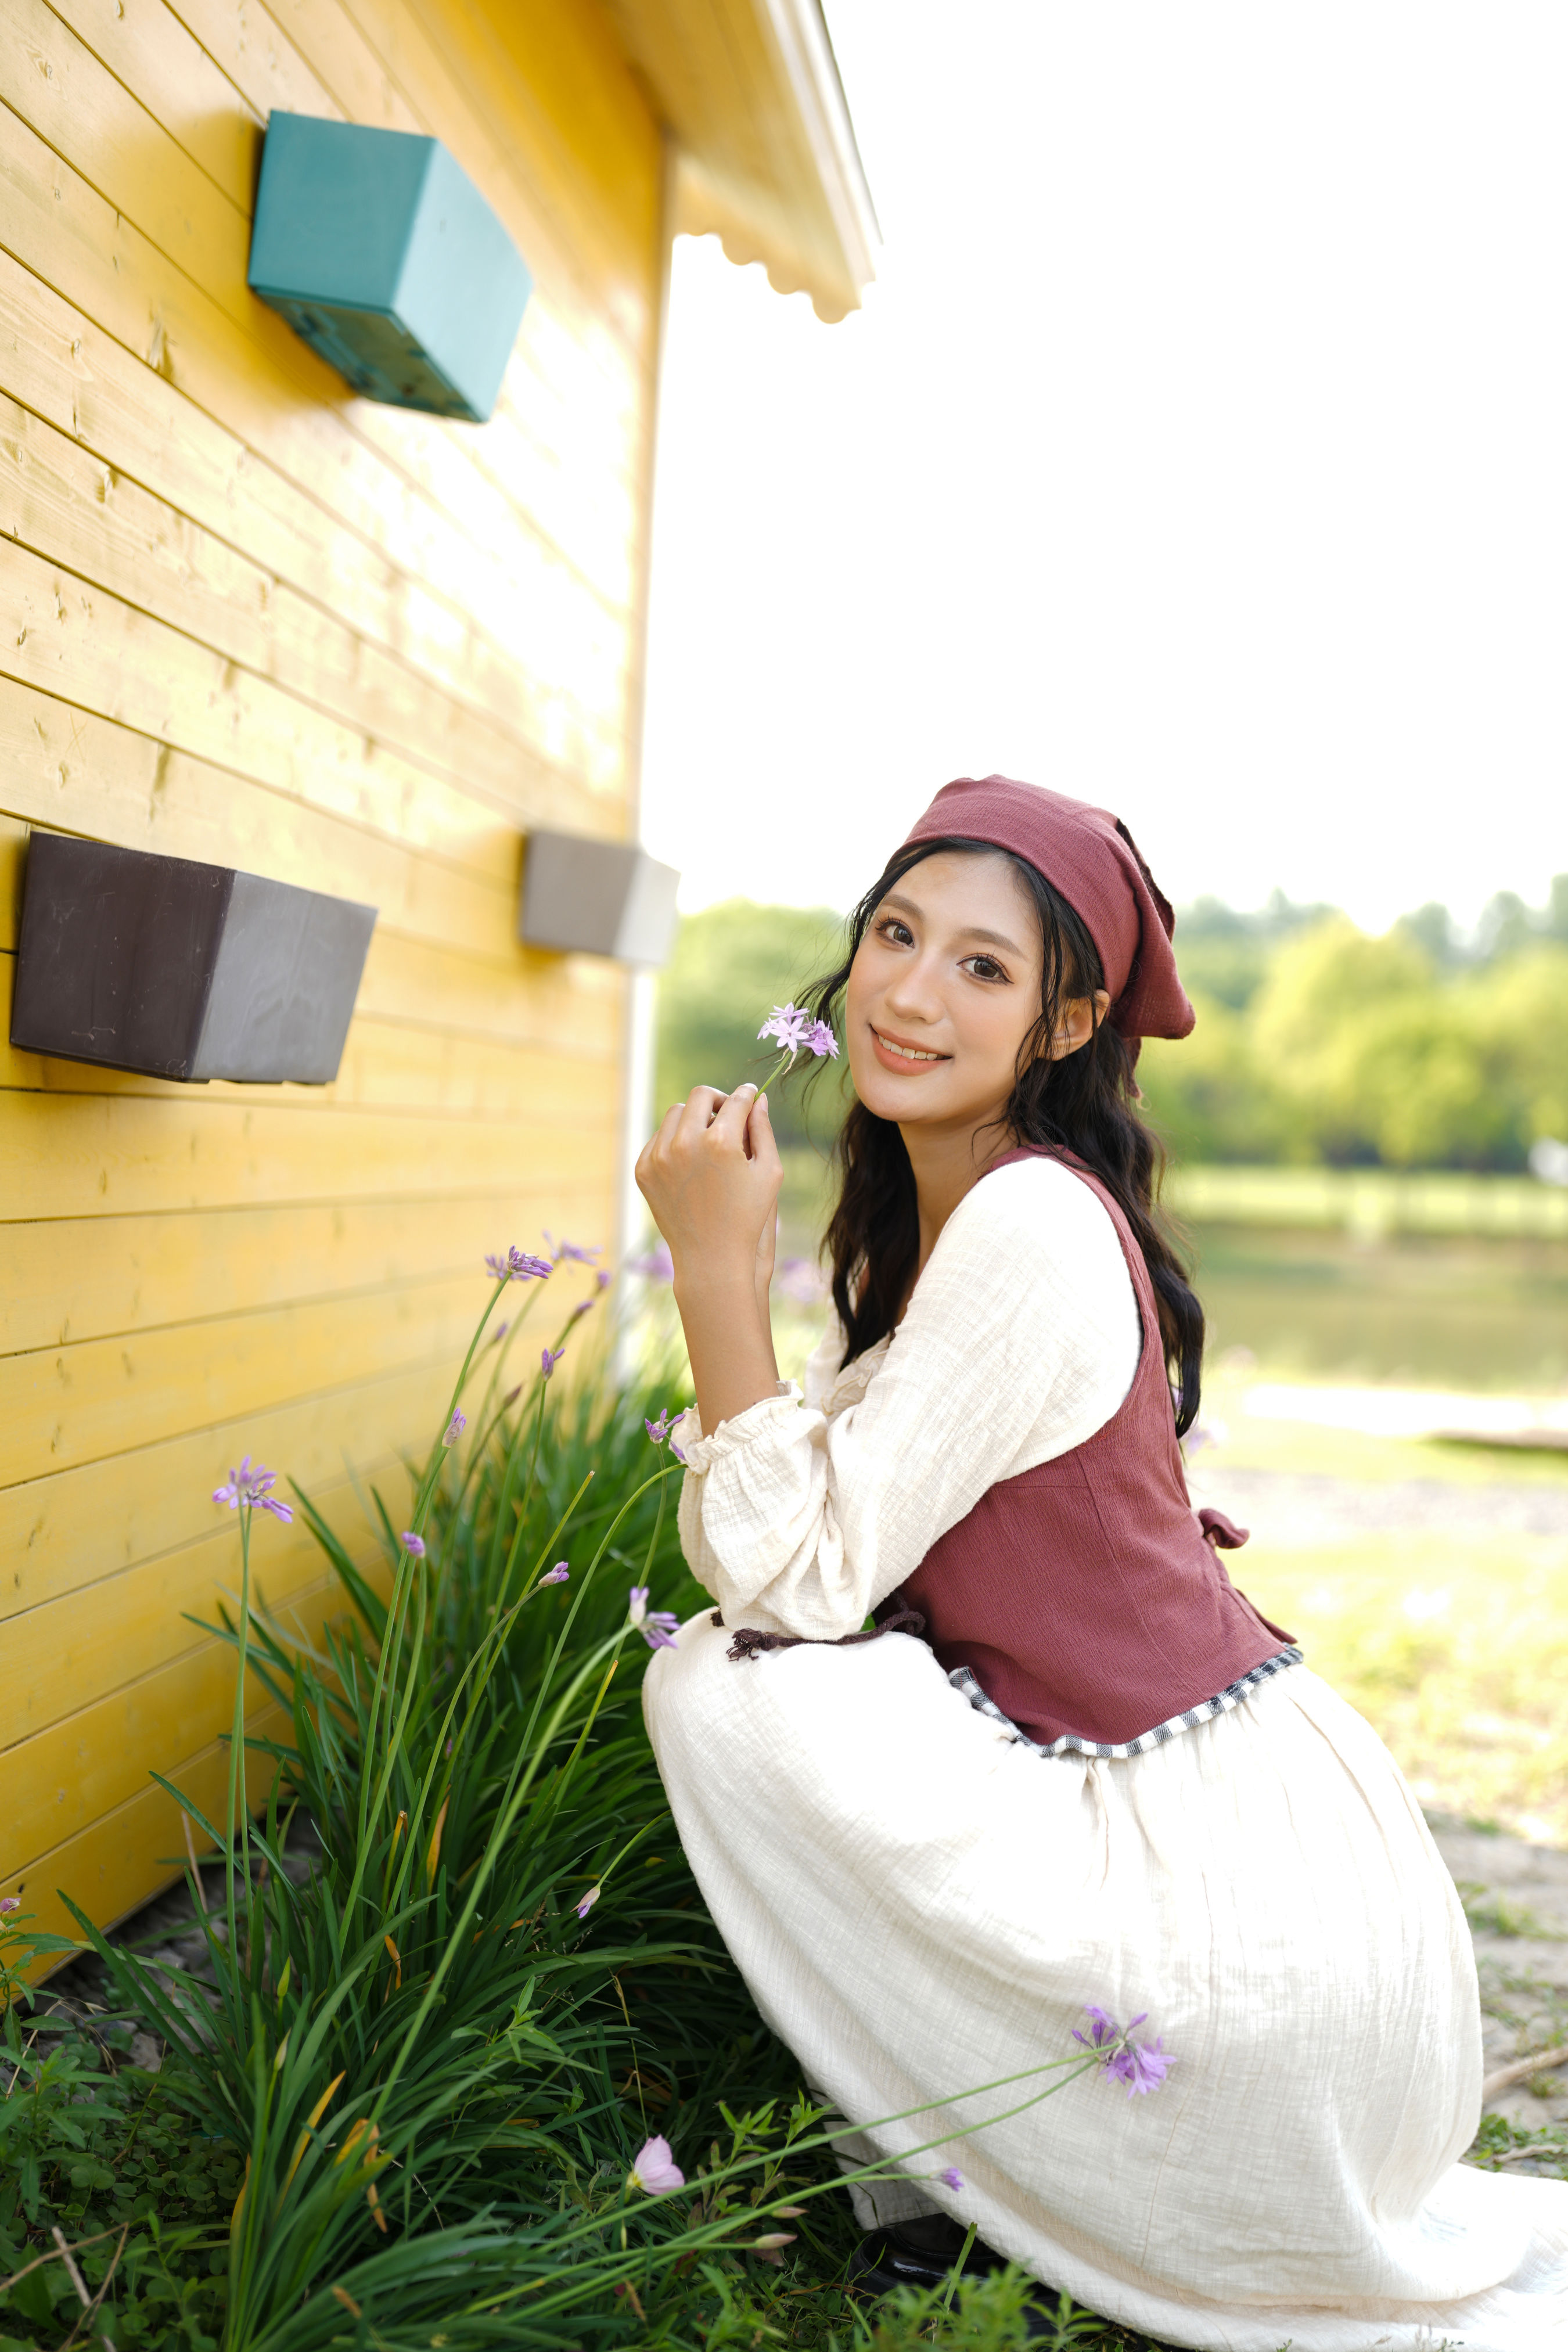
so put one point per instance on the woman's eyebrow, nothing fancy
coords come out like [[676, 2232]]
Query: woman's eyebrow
[[968, 931]]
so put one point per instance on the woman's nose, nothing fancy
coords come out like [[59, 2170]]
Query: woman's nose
[[913, 994]]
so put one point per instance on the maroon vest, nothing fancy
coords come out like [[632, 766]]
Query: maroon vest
[[1084, 1595]]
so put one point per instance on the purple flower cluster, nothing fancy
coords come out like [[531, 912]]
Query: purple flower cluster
[[1141, 2065], [253, 1489], [660, 1429], [655, 1625], [574, 1250], [412, 1544], [556, 1575], [549, 1357], [791, 1026], [655, 1264], [455, 1428], [516, 1267]]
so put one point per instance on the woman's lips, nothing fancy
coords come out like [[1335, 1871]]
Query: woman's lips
[[905, 1058]]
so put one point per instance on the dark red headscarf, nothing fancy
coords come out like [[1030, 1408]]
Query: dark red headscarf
[[1090, 857]]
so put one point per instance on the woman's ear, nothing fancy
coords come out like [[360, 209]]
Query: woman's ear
[[1080, 1017]]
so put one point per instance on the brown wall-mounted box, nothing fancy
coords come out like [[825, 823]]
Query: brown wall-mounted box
[[183, 970]]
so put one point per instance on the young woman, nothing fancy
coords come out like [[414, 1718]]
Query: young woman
[[1077, 1766]]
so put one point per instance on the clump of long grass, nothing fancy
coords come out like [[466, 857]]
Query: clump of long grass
[[425, 2050]]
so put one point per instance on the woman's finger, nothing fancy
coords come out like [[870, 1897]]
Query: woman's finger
[[760, 1137], [730, 1121], [700, 1107]]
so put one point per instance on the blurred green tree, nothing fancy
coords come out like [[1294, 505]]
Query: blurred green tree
[[732, 963]]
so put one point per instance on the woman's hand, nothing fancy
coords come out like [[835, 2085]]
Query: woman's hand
[[712, 1177]]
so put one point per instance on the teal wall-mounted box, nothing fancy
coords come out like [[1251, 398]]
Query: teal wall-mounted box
[[378, 249]]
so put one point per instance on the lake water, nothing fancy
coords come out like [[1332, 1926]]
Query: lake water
[[1453, 1314]]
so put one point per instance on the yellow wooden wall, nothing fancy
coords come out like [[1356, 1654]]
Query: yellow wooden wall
[[247, 618]]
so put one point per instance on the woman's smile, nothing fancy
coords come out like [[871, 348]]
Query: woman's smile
[[896, 1053]]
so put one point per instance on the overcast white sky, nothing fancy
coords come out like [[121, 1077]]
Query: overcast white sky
[[1201, 450]]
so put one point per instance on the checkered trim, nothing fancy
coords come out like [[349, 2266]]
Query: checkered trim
[[1069, 1744]]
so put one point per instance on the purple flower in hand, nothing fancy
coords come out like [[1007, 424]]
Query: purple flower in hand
[[556, 1575], [820, 1040], [413, 1544], [655, 2170], [588, 1902], [455, 1429], [253, 1490], [787, 1025], [655, 1625], [1141, 2065], [549, 1357]]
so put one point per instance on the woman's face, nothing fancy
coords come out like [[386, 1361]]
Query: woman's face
[[945, 988]]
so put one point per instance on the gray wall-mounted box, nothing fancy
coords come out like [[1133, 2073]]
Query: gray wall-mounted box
[[598, 897], [378, 249], [183, 970]]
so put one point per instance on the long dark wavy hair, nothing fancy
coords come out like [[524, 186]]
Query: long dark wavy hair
[[1083, 1103]]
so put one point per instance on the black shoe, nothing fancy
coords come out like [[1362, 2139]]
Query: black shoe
[[892, 2258], [895, 2257]]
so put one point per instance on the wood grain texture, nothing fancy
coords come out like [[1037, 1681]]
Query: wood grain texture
[[66, 1776], [62, 1406], [63, 1533], [60, 363], [248, 618], [130, 1852], [289, 406], [74, 1278], [94, 1642], [70, 509]]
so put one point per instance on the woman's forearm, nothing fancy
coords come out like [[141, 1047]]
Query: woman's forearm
[[729, 1340]]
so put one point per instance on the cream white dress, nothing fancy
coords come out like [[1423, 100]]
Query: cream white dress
[[921, 1906]]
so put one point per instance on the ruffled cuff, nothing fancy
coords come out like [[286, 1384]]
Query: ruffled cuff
[[735, 1436]]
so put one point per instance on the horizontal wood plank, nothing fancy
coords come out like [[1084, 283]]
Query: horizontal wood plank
[[69, 1774], [146, 48], [287, 406], [66, 769], [111, 1868], [80, 1649], [90, 648], [70, 509], [111, 1155], [75, 1278], [62, 1533], [60, 362]]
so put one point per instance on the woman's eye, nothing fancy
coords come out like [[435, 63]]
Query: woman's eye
[[984, 967], [899, 933]]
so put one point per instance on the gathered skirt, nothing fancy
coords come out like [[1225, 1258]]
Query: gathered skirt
[[920, 1905]]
